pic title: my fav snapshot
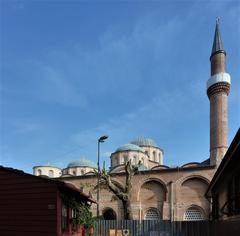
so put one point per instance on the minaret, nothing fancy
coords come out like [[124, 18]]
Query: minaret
[[218, 87]]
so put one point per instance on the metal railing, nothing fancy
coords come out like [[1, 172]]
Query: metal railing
[[168, 228]]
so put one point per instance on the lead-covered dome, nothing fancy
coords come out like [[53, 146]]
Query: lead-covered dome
[[81, 163], [145, 142], [129, 147]]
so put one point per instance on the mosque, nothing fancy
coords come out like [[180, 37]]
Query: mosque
[[159, 191]]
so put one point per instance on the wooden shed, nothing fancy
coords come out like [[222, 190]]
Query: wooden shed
[[224, 189], [32, 205]]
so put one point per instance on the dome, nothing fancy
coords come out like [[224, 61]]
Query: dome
[[129, 147], [142, 167], [82, 162], [145, 142]]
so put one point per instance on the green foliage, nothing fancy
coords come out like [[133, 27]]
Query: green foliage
[[82, 213]]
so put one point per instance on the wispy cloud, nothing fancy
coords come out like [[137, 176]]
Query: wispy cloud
[[160, 114], [120, 65], [141, 81]]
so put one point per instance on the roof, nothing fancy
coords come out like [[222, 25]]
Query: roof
[[217, 42], [81, 163], [154, 171], [160, 167], [206, 162], [142, 167], [129, 147], [121, 168], [144, 142], [58, 183], [228, 162], [50, 166]]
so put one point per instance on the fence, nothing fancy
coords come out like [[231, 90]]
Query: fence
[[167, 228]]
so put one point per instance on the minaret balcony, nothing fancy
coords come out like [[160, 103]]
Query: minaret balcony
[[218, 78]]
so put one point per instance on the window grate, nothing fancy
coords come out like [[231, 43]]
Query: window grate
[[152, 214], [193, 214]]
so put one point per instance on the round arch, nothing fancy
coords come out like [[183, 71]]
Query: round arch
[[150, 180], [184, 179], [109, 214]]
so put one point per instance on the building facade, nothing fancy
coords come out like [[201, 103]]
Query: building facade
[[161, 192], [32, 205], [224, 189]]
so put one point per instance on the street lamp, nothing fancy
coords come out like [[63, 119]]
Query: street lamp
[[100, 140]]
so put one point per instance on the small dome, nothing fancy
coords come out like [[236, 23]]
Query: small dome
[[145, 142], [82, 162], [129, 147], [142, 167]]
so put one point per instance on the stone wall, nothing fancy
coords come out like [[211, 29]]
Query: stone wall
[[151, 189]]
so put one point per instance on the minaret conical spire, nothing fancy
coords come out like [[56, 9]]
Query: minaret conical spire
[[217, 42], [218, 88]]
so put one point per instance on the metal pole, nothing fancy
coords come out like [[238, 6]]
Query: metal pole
[[98, 179], [171, 202], [100, 140]]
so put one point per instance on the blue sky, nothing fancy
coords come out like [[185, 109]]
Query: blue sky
[[74, 70]]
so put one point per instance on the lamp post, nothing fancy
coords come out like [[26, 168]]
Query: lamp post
[[100, 140]]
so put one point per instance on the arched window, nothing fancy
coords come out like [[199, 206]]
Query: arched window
[[125, 159], [113, 161], [50, 173], [82, 172], [74, 172], [152, 214], [193, 214], [154, 156], [121, 160], [64, 218], [134, 160], [159, 156], [39, 172], [109, 214]]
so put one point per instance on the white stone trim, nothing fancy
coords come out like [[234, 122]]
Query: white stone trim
[[220, 77]]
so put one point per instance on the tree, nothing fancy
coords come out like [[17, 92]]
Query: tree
[[82, 213], [122, 193]]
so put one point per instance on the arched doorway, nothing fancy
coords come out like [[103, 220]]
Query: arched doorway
[[109, 214]]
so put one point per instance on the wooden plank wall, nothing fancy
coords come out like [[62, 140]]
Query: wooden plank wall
[[27, 205]]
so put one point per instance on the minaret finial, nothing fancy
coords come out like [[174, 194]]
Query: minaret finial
[[217, 42]]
